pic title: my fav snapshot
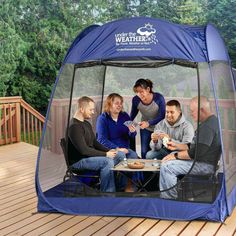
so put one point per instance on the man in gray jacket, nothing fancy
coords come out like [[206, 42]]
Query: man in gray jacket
[[174, 127]]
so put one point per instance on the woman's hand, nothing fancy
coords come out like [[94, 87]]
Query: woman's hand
[[132, 128], [143, 124]]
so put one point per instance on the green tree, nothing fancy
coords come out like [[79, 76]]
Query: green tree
[[178, 11], [12, 49], [206, 91], [222, 15], [35, 35], [223, 90], [198, 12], [187, 91], [192, 12], [174, 91]]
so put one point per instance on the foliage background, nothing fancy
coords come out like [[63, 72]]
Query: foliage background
[[35, 34]]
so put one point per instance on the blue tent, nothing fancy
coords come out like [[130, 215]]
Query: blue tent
[[183, 61]]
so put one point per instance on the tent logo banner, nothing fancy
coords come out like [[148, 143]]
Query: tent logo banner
[[144, 36]]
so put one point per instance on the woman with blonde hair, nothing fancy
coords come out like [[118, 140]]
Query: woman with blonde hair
[[110, 127]]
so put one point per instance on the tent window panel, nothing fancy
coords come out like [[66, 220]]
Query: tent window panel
[[227, 109], [89, 82], [173, 82], [52, 164], [204, 187]]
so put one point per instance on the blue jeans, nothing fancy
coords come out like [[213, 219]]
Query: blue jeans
[[145, 136], [104, 165], [131, 154], [170, 170], [158, 154]]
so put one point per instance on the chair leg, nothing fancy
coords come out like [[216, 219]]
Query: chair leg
[[68, 175]]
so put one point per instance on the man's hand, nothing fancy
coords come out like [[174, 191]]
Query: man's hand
[[111, 153], [162, 135], [171, 146], [125, 150], [143, 124], [155, 137], [168, 158]]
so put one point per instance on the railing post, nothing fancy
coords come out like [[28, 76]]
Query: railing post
[[18, 123]]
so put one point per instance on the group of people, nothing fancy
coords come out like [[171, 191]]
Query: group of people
[[164, 131]]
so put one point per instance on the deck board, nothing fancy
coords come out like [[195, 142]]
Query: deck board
[[113, 226], [143, 227], [81, 226], [18, 208], [159, 228], [96, 226], [210, 228], [65, 225], [176, 228], [193, 228]]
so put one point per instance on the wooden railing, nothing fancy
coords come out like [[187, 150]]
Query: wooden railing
[[19, 121], [59, 112]]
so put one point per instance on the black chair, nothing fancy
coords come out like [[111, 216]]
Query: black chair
[[88, 178], [192, 187]]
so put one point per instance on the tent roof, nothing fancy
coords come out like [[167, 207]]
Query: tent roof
[[144, 37]]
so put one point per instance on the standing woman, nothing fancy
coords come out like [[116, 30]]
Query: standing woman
[[152, 108], [110, 128]]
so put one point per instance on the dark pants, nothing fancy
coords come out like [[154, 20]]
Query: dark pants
[[145, 141]]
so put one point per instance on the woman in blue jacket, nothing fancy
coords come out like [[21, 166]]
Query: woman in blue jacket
[[110, 127], [152, 108]]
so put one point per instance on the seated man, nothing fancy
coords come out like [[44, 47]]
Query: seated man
[[85, 151], [174, 127], [209, 150]]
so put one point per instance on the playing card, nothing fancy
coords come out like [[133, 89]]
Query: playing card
[[165, 140], [130, 122]]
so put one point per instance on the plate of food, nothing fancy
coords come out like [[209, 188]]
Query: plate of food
[[136, 165]]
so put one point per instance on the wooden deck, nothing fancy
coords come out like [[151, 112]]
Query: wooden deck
[[18, 214]]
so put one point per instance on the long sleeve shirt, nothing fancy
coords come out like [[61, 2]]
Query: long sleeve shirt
[[111, 133], [152, 113], [82, 142], [181, 132], [209, 145]]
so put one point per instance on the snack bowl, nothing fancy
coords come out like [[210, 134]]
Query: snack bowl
[[136, 165]]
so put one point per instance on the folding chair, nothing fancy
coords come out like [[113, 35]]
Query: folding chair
[[193, 187], [88, 178]]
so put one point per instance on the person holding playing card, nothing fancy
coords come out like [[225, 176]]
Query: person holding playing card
[[152, 107], [174, 127], [114, 127]]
